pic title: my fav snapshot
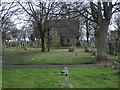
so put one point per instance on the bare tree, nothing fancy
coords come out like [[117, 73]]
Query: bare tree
[[0, 31], [102, 16], [101, 13], [42, 13], [5, 13], [7, 10], [117, 27]]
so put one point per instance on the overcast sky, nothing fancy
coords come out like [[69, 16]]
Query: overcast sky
[[20, 23]]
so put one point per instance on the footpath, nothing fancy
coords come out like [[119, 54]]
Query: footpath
[[48, 65]]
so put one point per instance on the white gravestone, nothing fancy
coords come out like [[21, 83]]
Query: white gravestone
[[66, 84]]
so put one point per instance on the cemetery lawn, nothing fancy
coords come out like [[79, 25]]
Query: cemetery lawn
[[94, 77], [13, 52], [56, 56], [113, 58]]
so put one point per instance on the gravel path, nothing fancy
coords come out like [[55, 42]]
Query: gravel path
[[53, 66], [46, 66], [20, 56], [17, 56]]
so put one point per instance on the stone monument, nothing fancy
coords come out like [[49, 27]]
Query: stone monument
[[66, 83]]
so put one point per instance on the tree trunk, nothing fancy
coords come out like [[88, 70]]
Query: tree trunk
[[19, 44], [42, 36], [87, 34], [0, 43], [96, 35], [25, 45], [33, 44], [10, 44], [43, 44], [119, 51], [119, 44], [87, 31], [48, 40], [116, 47], [110, 48], [102, 41]]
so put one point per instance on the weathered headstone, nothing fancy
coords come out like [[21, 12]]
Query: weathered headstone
[[66, 83], [87, 49], [72, 48], [116, 65], [110, 48]]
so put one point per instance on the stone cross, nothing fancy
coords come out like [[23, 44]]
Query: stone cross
[[66, 83]]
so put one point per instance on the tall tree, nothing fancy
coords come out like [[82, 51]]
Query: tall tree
[[117, 27], [42, 13], [0, 36], [101, 13], [7, 10], [7, 27]]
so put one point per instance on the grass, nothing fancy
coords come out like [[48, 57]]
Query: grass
[[0, 72], [55, 56], [0, 77], [102, 77], [13, 52], [59, 47], [113, 58], [58, 56], [67, 47]]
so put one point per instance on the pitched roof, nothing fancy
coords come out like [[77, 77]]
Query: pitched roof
[[64, 33]]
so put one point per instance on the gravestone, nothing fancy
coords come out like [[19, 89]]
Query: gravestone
[[87, 49], [116, 65], [66, 83], [110, 48], [93, 53], [72, 48]]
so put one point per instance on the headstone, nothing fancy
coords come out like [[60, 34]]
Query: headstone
[[87, 49], [110, 48], [72, 48], [93, 53], [116, 65], [66, 83]]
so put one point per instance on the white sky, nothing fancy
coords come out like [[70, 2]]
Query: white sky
[[20, 23]]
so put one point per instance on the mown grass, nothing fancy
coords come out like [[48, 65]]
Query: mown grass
[[59, 47], [55, 56], [113, 58], [67, 47], [0, 77], [94, 77], [58, 56], [0, 72], [13, 52]]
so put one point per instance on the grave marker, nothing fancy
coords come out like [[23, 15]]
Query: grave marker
[[66, 83]]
